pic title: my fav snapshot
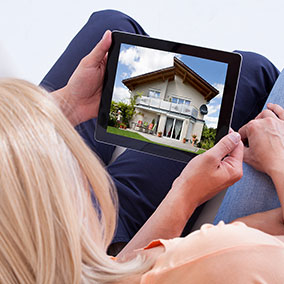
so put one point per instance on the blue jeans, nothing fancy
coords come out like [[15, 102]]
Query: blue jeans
[[143, 180], [255, 192]]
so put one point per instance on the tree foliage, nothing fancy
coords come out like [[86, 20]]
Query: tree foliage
[[127, 111], [207, 138]]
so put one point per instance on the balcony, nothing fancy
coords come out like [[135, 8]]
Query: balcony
[[167, 106]]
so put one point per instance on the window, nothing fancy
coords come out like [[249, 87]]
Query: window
[[154, 94], [194, 112], [180, 101], [173, 128]]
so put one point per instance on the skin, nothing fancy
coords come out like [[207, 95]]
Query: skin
[[79, 100], [223, 164], [267, 132]]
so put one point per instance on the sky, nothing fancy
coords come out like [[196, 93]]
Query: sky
[[134, 61], [35, 32]]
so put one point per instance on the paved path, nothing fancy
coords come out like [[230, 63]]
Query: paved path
[[167, 141]]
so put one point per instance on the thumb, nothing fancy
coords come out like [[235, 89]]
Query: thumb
[[100, 50], [227, 144]]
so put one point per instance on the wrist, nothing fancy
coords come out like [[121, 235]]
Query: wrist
[[63, 101], [185, 197], [274, 169]]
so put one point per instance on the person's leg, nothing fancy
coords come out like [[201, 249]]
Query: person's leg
[[255, 192], [79, 47], [257, 78]]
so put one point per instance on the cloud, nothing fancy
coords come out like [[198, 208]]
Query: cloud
[[141, 60], [124, 75], [213, 115], [220, 88], [212, 121], [121, 94], [214, 107]]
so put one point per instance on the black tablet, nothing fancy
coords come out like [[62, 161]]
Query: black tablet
[[166, 98]]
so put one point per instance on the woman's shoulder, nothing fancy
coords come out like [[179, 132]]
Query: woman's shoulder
[[214, 251]]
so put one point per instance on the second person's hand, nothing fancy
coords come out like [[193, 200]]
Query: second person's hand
[[265, 136]]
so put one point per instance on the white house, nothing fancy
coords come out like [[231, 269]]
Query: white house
[[173, 99]]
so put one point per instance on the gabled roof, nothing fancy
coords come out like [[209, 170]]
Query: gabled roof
[[180, 69]]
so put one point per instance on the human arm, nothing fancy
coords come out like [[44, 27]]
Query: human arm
[[270, 222], [80, 98], [203, 177]]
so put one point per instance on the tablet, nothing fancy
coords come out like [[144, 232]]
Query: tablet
[[166, 98]]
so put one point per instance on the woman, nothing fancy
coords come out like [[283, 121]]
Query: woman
[[132, 173], [50, 232]]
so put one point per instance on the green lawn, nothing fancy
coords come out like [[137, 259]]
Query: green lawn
[[126, 133]]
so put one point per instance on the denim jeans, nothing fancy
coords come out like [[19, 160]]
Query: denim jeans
[[255, 192]]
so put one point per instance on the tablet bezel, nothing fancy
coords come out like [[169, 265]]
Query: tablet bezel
[[232, 59]]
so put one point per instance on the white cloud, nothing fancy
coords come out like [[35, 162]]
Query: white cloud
[[213, 109], [211, 121], [220, 88], [141, 60], [124, 75], [121, 94], [213, 114]]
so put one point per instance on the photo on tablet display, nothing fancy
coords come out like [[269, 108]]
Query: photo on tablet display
[[165, 98]]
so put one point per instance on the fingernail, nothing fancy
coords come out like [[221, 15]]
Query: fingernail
[[235, 137]]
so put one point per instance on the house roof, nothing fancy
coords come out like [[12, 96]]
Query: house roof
[[180, 69]]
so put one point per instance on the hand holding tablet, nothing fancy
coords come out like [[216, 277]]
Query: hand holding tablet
[[166, 98]]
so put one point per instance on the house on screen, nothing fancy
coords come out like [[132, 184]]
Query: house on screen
[[174, 99]]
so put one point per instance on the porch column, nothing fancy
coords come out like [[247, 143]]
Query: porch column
[[162, 123]]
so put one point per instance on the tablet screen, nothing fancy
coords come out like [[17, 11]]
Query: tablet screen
[[170, 99]]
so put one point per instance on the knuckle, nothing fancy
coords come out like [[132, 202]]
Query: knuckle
[[266, 112], [270, 121], [210, 157], [251, 125]]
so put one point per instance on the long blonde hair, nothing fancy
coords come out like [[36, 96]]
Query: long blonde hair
[[49, 229]]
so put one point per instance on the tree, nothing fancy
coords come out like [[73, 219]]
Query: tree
[[127, 110], [207, 138]]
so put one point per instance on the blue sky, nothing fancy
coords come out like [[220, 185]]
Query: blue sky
[[135, 61]]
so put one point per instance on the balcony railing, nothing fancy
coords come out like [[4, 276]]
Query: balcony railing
[[168, 106]]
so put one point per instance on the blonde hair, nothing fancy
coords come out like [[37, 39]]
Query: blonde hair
[[49, 229]]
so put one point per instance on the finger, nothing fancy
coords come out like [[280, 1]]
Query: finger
[[96, 56], [236, 156], [246, 155], [226, 145], [243, 132], [266, 113], [277, 109]]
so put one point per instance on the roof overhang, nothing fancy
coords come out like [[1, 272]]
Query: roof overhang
[[180, 69]]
